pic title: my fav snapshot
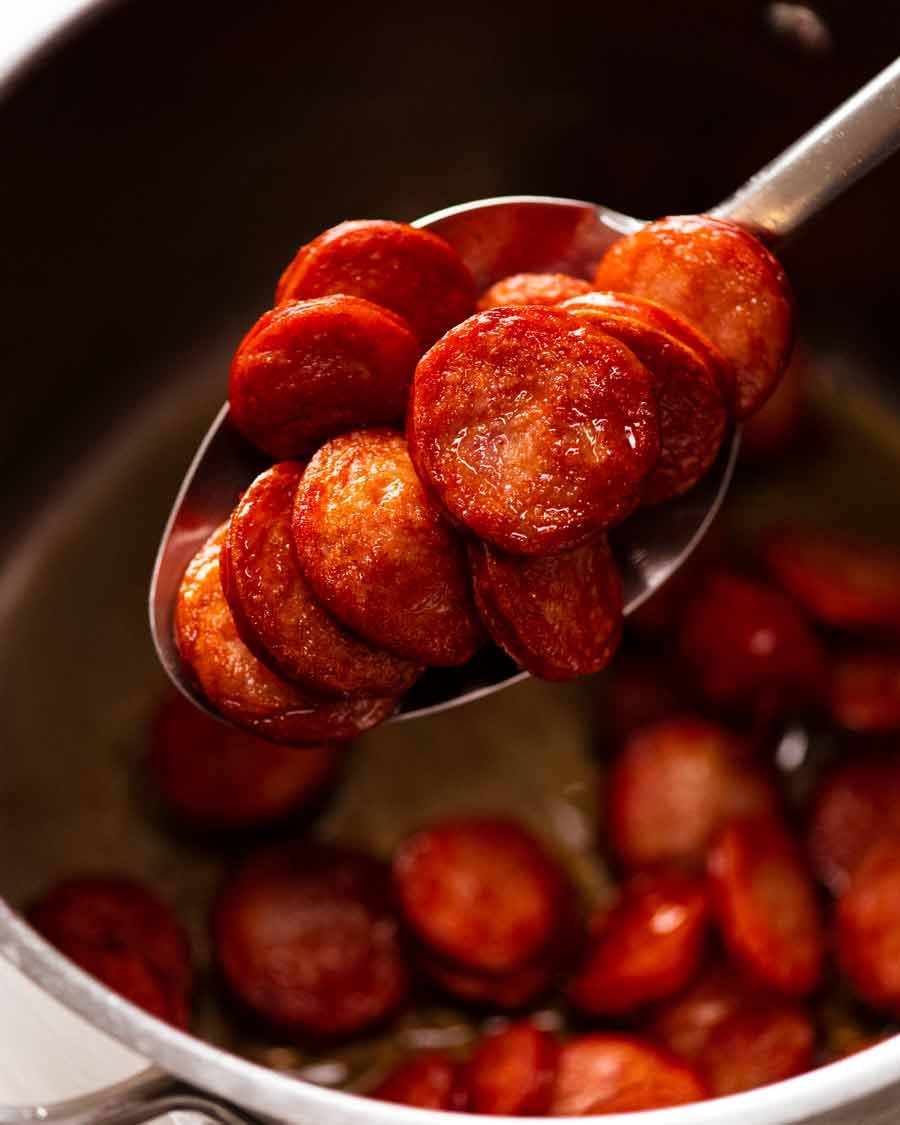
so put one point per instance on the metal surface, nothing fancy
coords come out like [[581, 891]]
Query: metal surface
[[861, 133], [491, 235]]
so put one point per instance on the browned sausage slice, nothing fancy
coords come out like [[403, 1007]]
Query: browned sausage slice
[[276, 612], [533, 430], [377, 551]]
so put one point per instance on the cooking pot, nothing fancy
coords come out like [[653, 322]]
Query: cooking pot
[[162, 163]]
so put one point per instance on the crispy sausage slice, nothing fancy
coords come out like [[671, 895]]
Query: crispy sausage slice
[[311, 369], [513, 1072], [559, 616], [533, 430], [415, 273], [276, 612], [868, 927], [857, 803], [533, 289], [431, 1080], [692, 411], [724, 281], [674, 785], [840, 581], [214, 776], [606, 1073], [647, 948], [377, 551], [765, 904], [749, 649], [122, 933], [307, 940], [484, 893], [244, 690]]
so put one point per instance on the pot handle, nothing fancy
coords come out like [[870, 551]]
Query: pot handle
[[823, 163], [136, 1102]]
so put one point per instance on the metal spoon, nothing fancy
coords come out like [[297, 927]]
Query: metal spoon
[[492, 237]]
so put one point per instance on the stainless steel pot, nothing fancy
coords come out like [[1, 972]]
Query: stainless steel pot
[[162, 161]]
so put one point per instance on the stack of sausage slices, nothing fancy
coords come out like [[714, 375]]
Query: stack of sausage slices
[[446, 469]]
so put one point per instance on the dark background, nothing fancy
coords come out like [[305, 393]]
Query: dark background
[[161, 164]]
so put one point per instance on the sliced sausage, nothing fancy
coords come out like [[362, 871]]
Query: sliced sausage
[[533, 289], [674, 785], [857, 802], [429, 1081], [415, 273], [484, 893], [276, 612], [377, 551], [840, 581], [864, 694], [238, 685], [779, 426], [307, 940], [647, 948], [489, 991], [311, 369], [122, 933], [534, 431], [692, 411], [747, 648], [513, 1073], [559, 616], [606, 1073], [765, 904], [868, 927], [724, 281], [687, 1023], [214, 776]]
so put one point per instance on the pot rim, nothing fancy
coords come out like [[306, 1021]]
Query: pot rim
[[258, 1089]]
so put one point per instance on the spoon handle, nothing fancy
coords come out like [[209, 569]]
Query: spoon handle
[[858, 135]]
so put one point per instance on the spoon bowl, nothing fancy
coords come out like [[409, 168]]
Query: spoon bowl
[[496, 237]]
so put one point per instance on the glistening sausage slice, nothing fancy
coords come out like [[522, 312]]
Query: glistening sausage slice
[[307, 940], [533, 289], [482, 892], [722, 279], [310, 369], [534, 430], [377, 551], [238, 685], [692, 413], [431, 1080], [276, 612], [868, 927], [513, 1072], [559, 616], [415, 273]]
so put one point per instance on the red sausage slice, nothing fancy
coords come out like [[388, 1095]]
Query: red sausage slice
[[244, 690], [856, 804], [672, 324], [306, 939], [494, 992], [723, 280], [647, 948], [686, 1023], [428, 1081], [692, 414], [766, 906], [674, 785], [275, 610], [533, 289], [308, 370], [559, 616], [513, 1073], [123, 934], [864, 695], [215, 776], [377, 551], [841, 582], [415, 273], [620, 1074], [749, 649], [868, 927], [481, 892], [534, 431]]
